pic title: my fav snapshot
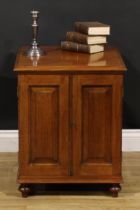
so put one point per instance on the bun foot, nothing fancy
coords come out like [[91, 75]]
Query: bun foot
[[115, 188], [25, 190]]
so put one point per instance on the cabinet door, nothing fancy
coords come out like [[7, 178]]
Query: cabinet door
[[97, 125], [43, 126]]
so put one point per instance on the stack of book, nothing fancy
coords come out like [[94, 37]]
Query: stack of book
[[88, 37]]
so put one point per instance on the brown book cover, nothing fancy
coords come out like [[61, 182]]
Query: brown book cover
[[85, 39], [92, 28], [73, 46]]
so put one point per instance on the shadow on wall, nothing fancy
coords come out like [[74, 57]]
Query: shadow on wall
[[8, 94], [131, 106]]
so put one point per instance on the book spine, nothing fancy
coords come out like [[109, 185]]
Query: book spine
[[76, 37], [81, 28], [71, 46]]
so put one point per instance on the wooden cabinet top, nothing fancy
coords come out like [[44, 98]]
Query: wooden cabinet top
[[59, 60]]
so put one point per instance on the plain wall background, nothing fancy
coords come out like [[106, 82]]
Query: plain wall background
[[56, 18]]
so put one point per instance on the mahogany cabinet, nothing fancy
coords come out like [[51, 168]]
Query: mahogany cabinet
[[70, 110]]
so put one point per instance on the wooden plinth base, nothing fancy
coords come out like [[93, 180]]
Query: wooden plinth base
[[28, 189]]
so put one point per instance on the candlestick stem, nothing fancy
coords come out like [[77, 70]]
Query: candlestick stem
[[34, 50]]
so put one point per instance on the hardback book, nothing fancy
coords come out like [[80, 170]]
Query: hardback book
[[77, 47], [92, 28], [85, 39]]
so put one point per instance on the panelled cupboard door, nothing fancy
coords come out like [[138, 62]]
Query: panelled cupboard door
[[97, 125], [43, 126]]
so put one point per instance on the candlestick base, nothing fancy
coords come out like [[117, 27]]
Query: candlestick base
[[35, 51]]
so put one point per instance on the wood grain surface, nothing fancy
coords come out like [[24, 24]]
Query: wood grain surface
[[60, 60]]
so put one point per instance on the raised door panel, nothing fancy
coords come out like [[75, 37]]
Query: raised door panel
[[97, 125], [44, 105], [43, 125]]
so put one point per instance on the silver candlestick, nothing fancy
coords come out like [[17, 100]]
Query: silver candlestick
[[34, 50]]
